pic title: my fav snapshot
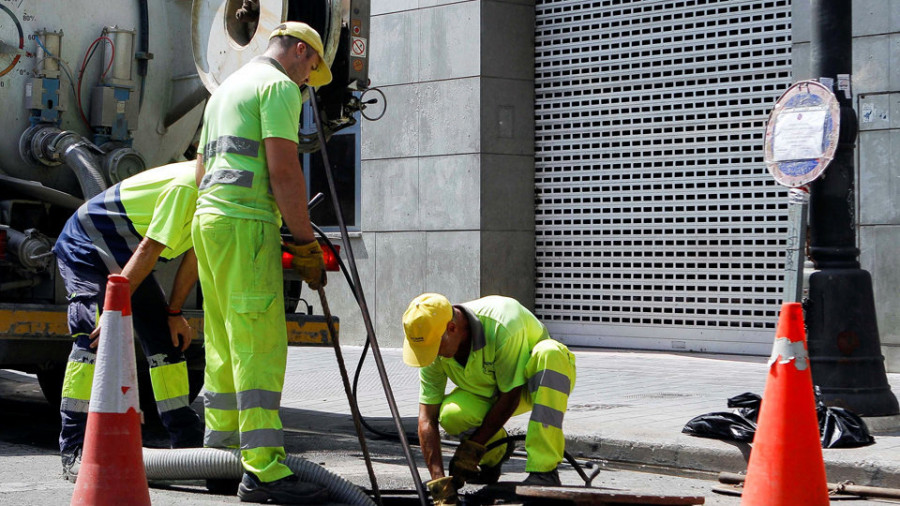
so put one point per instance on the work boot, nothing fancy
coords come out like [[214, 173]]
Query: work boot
[[545, 479], [491, 474], [71, 464], [288, 490]]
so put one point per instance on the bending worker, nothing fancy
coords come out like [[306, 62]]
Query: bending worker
[[125, 230], [503, 363], [250, 178]]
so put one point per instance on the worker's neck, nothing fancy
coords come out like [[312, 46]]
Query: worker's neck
[[462, 353]]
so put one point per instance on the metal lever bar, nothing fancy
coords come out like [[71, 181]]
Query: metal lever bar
[[354, 409], [361, 299]]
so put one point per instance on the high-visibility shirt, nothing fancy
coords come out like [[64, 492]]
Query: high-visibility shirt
[[256, 102], [502, 333], [157, 203]]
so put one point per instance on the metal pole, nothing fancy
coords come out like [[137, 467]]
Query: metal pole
[[354, 408], [798, 205], [361, 297], [844, 349]]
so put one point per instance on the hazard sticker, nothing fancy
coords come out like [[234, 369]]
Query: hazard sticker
[[358, 64], [358, 47], [356, 26]]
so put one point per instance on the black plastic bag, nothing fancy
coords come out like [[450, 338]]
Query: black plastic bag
[[838, 427], [747, 404], [723, 425]]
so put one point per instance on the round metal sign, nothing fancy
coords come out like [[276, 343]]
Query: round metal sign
[[802, 133]]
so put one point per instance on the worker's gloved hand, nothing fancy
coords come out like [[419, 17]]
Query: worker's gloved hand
[[308, 263], [464, 464], [442, 491]]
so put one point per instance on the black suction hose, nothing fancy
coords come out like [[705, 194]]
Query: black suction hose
[[361, 300]]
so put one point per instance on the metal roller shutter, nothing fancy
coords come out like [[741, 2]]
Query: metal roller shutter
[[657, 225]]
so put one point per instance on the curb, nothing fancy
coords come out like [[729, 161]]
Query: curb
[[714, 456]]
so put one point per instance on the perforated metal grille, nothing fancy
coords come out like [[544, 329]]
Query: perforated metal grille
[[657, 224]]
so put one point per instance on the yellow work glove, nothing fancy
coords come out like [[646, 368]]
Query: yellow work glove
[[308, 263], [464, 464], [442, 491]]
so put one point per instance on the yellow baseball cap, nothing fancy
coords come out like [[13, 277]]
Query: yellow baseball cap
[[424, 322], [322, 75]]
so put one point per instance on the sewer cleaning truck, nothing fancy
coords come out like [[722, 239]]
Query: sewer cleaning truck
[[94, 91]]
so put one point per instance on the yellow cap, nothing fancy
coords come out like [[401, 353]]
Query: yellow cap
[[322, 75], [424, 322]]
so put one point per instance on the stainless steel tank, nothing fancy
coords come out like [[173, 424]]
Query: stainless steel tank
[[170, 74]]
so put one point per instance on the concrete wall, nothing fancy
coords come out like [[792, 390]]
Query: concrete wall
[[448, 173], [876, 88]]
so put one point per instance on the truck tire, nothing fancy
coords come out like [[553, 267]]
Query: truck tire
[[51, 381]]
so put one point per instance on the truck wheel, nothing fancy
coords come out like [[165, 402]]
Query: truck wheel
[[51, 382]]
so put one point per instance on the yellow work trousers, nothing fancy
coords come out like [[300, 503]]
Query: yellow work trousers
[[550, 374], [239, 264]]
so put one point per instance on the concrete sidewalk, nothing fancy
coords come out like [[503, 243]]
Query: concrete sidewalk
[[626, 407]]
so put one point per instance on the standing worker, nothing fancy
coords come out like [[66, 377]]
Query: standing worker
[[125, 230], [250, 178], [503, 363]]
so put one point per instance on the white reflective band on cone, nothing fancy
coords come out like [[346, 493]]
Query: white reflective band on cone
[[115, 374], [788, 350]]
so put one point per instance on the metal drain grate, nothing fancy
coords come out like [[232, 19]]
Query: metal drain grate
[[657, 225]]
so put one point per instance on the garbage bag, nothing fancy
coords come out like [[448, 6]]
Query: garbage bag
[[747, 404], [838, 427], [722, 425]]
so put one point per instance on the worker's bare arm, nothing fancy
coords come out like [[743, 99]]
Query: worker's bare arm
[[185, 279], [499, 413], [289, 187], [430, 439], [199, 171]]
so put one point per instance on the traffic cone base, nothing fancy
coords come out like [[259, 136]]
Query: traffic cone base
[[786, 466]]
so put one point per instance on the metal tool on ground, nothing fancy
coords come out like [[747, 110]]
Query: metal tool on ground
[[361, 300], [847, 488]]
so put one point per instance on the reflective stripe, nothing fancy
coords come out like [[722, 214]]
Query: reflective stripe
[[550, 379], [231, 144], [221, 439], [120, 227], [547, 416], [215, 400], [235, 177], [262, 438], [158, 360], [82, 356], [258, 398], [74, 405], [172, 404]]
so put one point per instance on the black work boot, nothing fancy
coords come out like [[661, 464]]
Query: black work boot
[[545, 479], [288, 490], [491, 474], [71, 464]]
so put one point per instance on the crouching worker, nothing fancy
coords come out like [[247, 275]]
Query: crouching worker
[[125, 230], [503, 363]]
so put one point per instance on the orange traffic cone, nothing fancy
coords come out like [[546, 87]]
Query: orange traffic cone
[[112, 466], [786, 466]]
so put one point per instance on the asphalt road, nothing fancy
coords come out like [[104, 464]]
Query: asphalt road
[[30, 472]]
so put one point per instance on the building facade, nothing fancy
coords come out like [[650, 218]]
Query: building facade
[[602, 162]]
